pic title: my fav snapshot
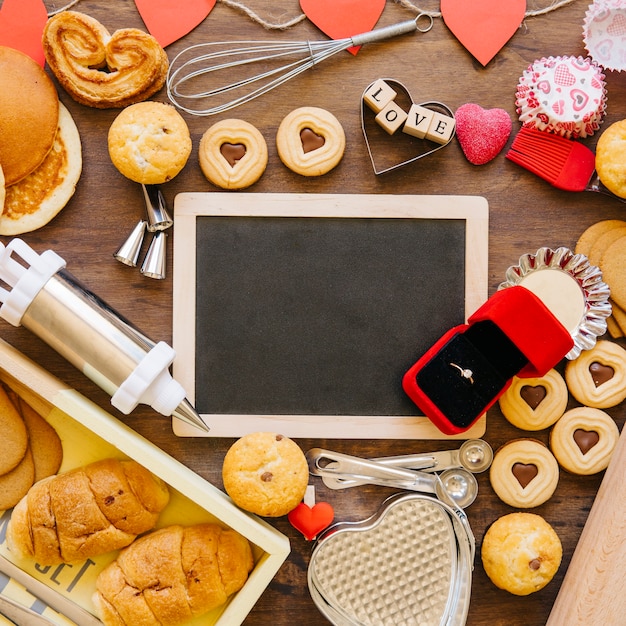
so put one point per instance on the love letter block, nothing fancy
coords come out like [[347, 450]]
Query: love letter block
[[391, 117], [418, 121], [378, 95], [441, 128]]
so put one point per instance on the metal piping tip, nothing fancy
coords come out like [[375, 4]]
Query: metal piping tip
[[185, 412], [128, 252], [154, 264], [156, 209]]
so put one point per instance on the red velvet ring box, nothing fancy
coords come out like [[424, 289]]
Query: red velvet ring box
[[471, 366]]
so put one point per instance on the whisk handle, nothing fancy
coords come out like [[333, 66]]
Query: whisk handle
[[387, 32]]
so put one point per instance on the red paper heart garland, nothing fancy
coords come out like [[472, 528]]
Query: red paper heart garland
[[482, 133], [483, 26], [21, 26], [343, 18], [311, 521], [169, 20]]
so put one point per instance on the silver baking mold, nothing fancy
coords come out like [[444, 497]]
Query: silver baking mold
[[595, 291]]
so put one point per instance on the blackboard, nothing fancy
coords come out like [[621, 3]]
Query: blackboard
[[300, 313]]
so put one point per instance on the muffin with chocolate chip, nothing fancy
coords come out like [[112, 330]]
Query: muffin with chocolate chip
[[521, 553], [265, 473]]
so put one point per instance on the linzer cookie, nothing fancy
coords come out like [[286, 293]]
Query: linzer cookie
[[583, 440], [597, 378], [535, 403], [524, 473], [565, 95]]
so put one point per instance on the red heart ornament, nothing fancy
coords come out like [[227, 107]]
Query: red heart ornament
[[169, 20], [343, 18], [21, 27], [482, 133], [483, 26], [311, 521]]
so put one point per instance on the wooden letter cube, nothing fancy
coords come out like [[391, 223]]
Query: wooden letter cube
[[378, 95], [391, 117], [441, 128], [418, 121]]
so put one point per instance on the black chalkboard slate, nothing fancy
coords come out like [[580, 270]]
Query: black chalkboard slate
[[305, 311]]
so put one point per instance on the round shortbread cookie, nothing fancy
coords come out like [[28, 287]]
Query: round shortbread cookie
[[597, 378], [611, 158], [266, 474], [521, 553], [583, 440], [613, 266], [149, 142], [524, 473], [29, 114], [535, 403], [590, 235], [14, 485], [603, 242], [14, 439]]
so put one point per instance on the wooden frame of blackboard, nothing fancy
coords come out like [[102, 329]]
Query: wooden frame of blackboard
[[189, 207]]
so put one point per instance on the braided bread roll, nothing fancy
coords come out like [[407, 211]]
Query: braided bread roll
[[102, 70], [171, 575], [86, 512]]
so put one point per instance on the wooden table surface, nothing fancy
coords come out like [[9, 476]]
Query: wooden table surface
[[525, 214]]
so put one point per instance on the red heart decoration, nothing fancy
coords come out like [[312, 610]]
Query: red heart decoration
[[169, 20], [482, 133], [483, 26], [21, 27], [343, 18], [311, 521]]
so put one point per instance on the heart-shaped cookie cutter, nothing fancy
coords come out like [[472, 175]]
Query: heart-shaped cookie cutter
[[411, 562], [422, 147]]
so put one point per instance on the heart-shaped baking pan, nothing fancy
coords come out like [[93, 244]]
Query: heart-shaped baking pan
[[390, 152], [410, 563]]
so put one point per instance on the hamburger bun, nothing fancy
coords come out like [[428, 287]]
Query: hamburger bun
[[36, 199], [29, 114]]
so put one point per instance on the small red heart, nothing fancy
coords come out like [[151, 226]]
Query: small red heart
[[311, 521], [483, 26], [343, 18], [21, 27], [482, 132], [169, 20]]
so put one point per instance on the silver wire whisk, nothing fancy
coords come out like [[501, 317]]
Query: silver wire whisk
[[183, 73]]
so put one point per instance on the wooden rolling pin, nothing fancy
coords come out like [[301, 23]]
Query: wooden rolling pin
[[593, 588]]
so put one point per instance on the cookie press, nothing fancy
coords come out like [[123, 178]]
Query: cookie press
[[47, 300]]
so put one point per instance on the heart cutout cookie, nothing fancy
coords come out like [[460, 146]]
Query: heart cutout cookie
[[311, 521], [169, 20], [340, 19], [390, 152], [483, 26], [482, 133]]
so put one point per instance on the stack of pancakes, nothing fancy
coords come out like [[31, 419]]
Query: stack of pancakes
[[40, 150]]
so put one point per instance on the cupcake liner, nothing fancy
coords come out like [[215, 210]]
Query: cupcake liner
[[564, 95], [604, 33]]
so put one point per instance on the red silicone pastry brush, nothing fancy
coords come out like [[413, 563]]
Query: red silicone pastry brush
[[564, 163]]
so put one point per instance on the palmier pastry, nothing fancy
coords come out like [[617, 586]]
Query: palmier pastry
[[535, 403], [597, 378], [233, 154], [524, 473], [102, 70], [583, 440], [310, 141]]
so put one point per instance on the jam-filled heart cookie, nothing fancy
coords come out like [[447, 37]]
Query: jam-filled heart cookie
[[597, 378], [233, 154], [535, 403], [524, 473], [310, 141], [583, 440]]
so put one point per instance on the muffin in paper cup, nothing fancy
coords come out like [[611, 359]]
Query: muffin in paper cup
[[565, 95], [604, 33]]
